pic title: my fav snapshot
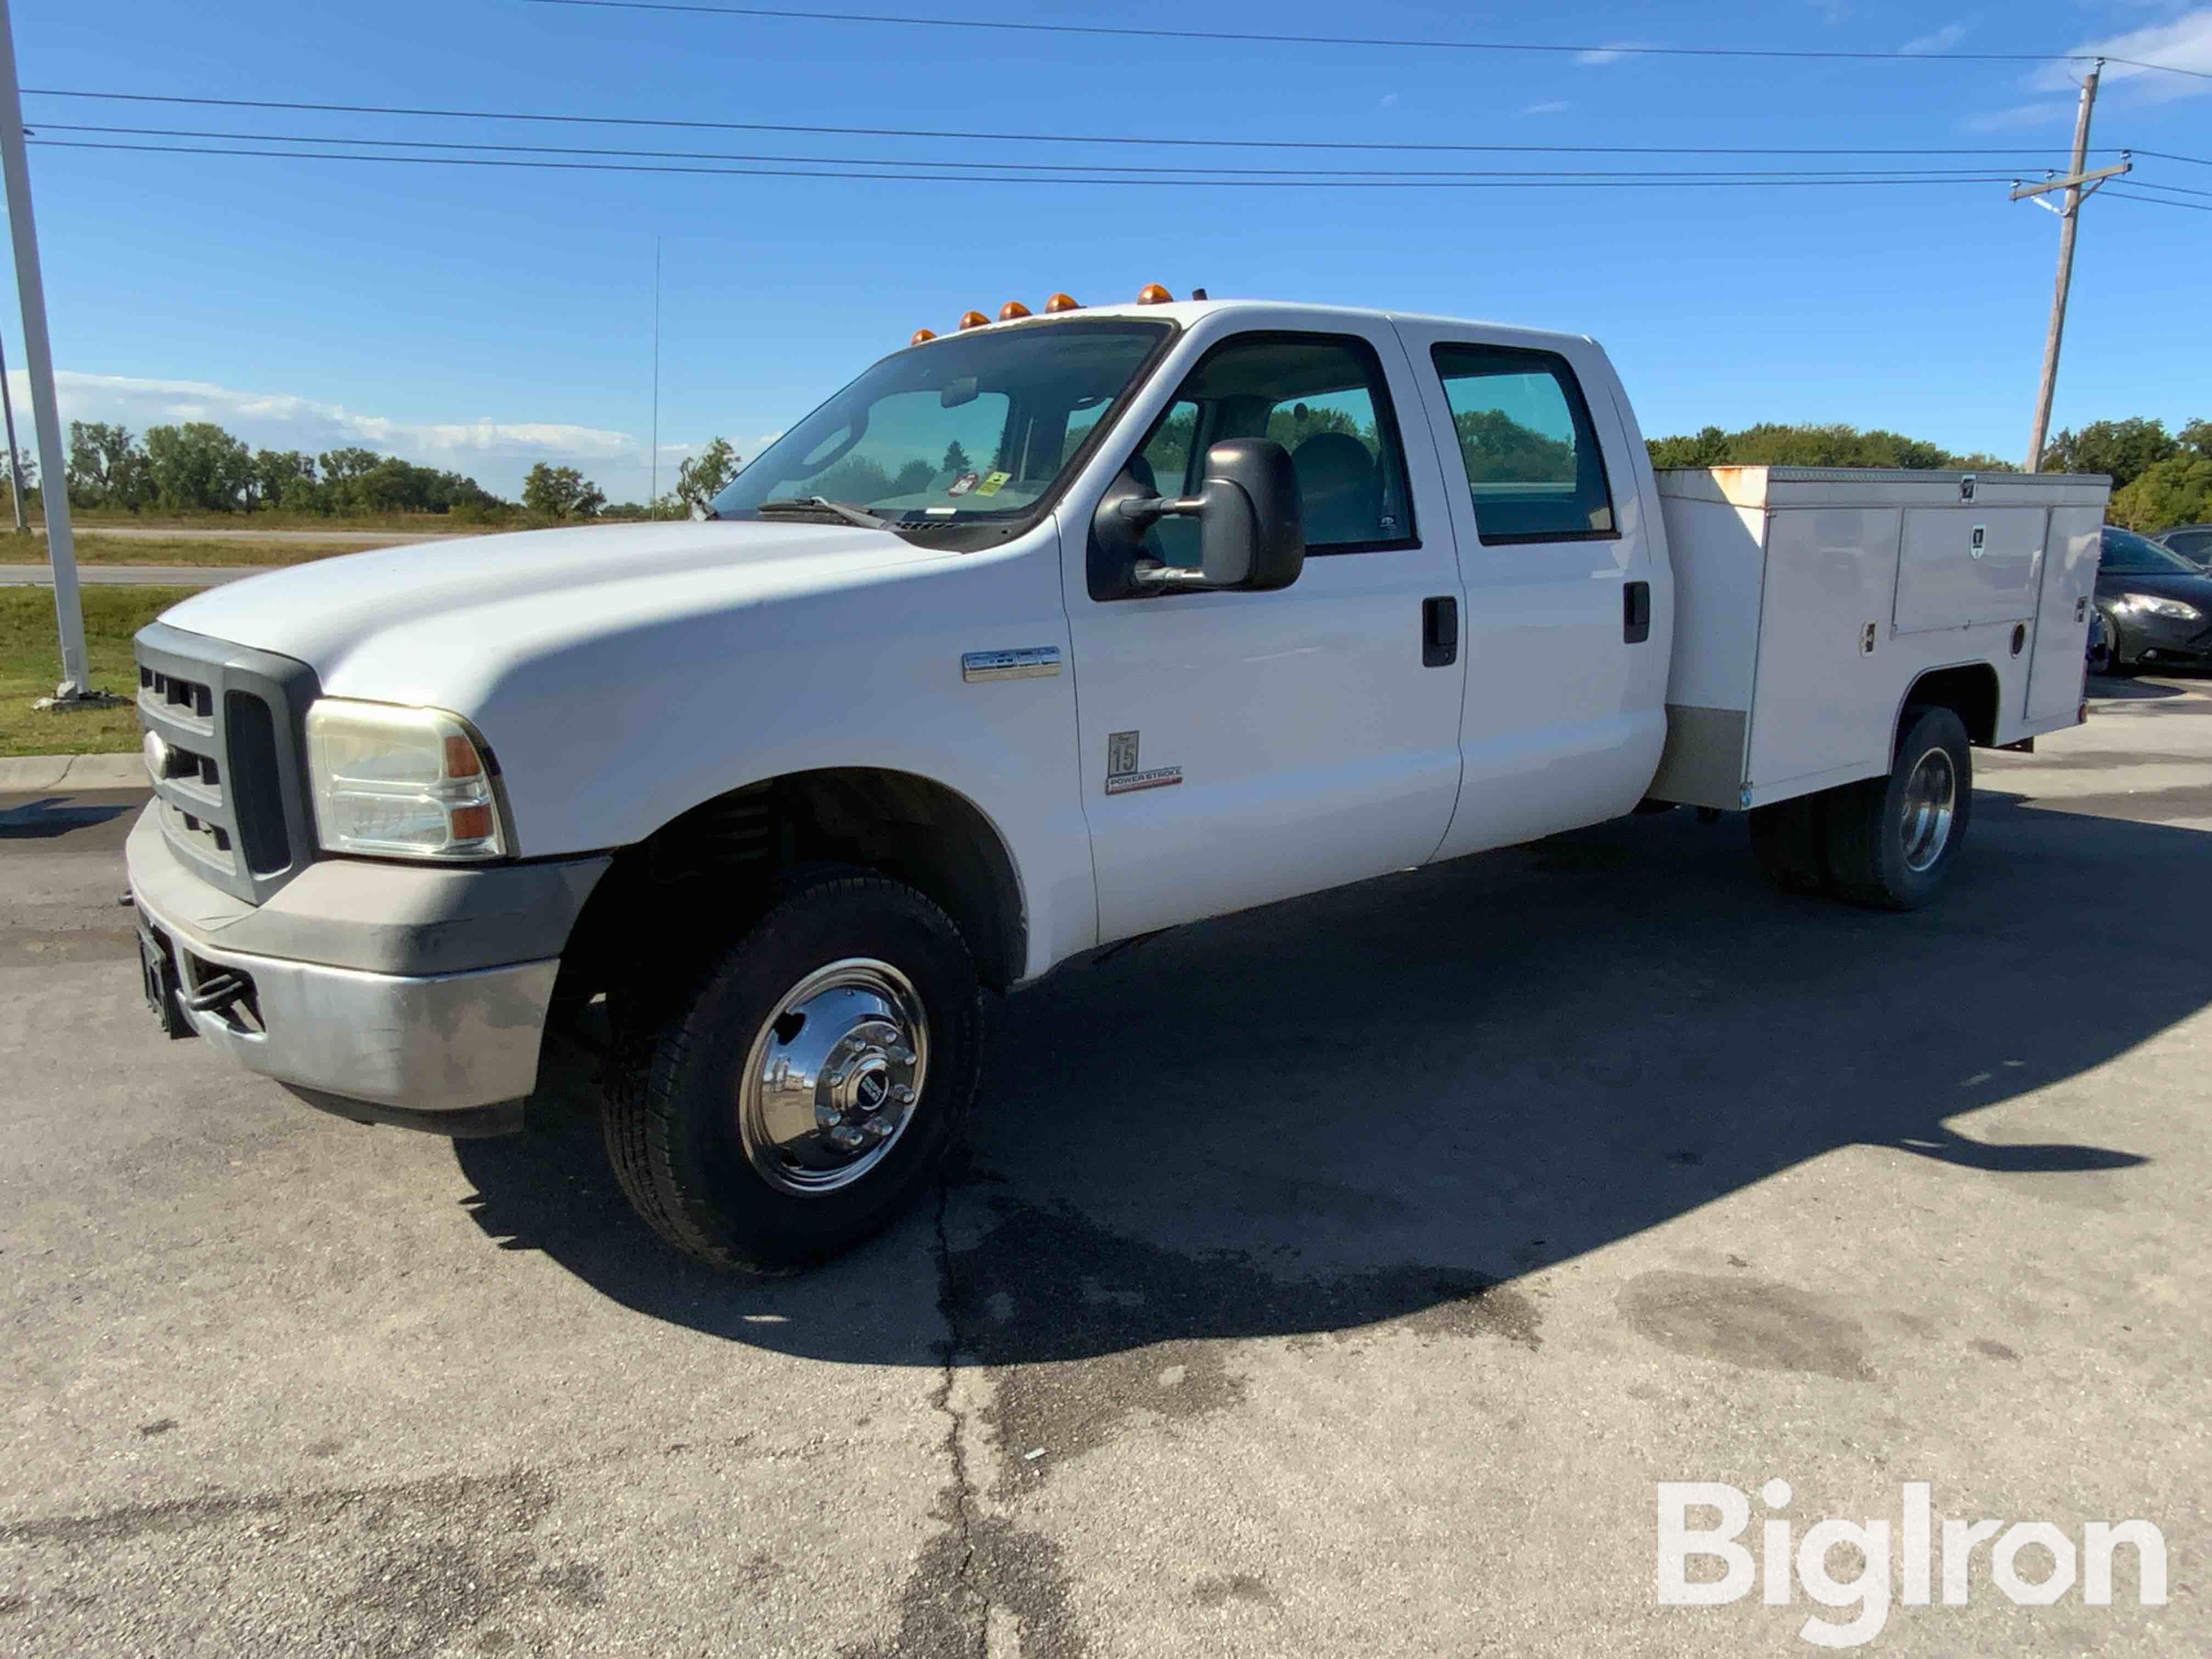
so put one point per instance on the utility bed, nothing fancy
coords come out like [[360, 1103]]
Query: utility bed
[[1807, 600]]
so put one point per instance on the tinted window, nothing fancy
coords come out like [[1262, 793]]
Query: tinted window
[[2128, 554], [2191, 543], [978, 427], [1322, 397], [1533, 465]]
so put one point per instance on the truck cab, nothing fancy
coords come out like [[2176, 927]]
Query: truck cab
[[1045, 633]]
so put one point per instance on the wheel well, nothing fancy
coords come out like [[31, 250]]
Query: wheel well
[[691, 886], [1969, 691]]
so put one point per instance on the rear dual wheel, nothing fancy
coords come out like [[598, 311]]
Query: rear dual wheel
[[1887, 842]]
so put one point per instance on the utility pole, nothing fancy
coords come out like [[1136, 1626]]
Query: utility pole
[[2068, 216], [15, 460], [75, 684], [653, 499]]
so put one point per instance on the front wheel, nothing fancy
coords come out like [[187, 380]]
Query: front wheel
[[809, 1086], [1891, 840]]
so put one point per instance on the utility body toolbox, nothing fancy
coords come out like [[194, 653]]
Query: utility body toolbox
[[1809, 601]]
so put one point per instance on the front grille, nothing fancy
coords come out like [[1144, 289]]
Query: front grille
[[228, 777]]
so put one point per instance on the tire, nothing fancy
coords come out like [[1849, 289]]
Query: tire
[[861, 988], [1790, 842], [1891, 840]]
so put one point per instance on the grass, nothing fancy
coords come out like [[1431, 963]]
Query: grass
[[30, 663], [97, 517], [92, 548]]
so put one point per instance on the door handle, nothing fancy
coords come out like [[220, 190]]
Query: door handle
[[1636, 612], [1439, 632]]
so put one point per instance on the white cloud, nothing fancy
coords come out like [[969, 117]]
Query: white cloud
[[496, 452], [1389, 100], [2185, 42], [1941, 40], [2018, 115], [1551, 108], [1833, 12], [1611, 54]]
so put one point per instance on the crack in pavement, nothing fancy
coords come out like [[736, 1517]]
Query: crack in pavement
[[979, 1566], [962, 1493]]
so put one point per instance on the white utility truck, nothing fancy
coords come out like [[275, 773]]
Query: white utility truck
[[1052, 632]]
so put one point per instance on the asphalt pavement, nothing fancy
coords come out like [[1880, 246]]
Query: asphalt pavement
[[1338, 1279]]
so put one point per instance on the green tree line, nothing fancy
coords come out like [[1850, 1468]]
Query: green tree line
[[196, 466], [2160, 479]]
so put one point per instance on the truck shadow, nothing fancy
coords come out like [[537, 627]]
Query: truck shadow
[[1394, 1098]]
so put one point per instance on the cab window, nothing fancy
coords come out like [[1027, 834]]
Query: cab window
[[1534, 464], [1323, 396]]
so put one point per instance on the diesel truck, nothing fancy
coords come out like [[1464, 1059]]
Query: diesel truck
[[1052, 632]]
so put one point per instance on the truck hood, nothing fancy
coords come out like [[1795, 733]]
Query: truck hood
[[410, 623]]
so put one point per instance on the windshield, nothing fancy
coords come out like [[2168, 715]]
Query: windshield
[[974, 427], [2128, 554]]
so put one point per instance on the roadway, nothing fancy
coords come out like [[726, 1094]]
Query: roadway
[[1337, 1278]]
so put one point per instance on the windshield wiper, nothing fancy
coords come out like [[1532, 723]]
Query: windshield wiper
[[823, 504]]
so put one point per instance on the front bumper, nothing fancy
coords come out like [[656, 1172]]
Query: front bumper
[[454, 1050], [2138, 639]]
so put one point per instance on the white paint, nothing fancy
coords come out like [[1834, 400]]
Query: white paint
[[625, 674]]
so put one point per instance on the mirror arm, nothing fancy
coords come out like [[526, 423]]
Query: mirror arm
[[1141, 512], [1171, 578]]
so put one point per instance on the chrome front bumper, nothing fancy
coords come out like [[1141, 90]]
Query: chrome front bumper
[[416, 1045]]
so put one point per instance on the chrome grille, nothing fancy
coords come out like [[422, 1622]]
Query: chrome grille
[[223, 753]]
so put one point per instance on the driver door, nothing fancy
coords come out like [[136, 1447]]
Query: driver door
[[1240, 747]]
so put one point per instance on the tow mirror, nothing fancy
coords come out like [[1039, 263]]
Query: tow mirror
[[1251, 529]]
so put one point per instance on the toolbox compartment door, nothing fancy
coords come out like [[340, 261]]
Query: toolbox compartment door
[[2056, 673], [1959, 565]]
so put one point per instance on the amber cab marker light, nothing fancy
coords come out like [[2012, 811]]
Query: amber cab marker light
[[1153, 295], [1013, 309], [922, 334], [1062, 302], [973, 319]]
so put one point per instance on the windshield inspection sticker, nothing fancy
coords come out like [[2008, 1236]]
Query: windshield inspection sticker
[[1122, 774], [962, 485], [992, 482]]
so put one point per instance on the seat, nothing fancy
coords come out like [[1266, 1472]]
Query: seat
[[1339, 489]]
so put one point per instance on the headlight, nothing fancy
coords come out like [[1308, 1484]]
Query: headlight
[[2149, 604], [410, 782]]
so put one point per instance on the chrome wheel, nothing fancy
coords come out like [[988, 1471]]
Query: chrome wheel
[[1931, 800], [835, 1076]]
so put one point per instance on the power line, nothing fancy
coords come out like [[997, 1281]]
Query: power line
[[1976, 174], [1520, 181], [2179, 190], [1598, 51], [2193, 160], [2156, 201], [1020, 137]]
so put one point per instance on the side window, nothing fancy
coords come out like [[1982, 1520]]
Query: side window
[[1534, 464], [1163, 465], [1322, 397]]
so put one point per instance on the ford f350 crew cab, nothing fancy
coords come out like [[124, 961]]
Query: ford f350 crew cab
[[1047, 633]]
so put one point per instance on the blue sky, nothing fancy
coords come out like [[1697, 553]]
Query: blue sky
[[483, 317]]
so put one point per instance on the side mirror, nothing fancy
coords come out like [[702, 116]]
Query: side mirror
[[1251, 528]]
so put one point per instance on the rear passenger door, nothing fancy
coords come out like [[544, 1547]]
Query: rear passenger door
[[1566, 624]]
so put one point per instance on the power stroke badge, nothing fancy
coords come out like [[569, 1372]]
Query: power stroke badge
[[1122, 776]]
